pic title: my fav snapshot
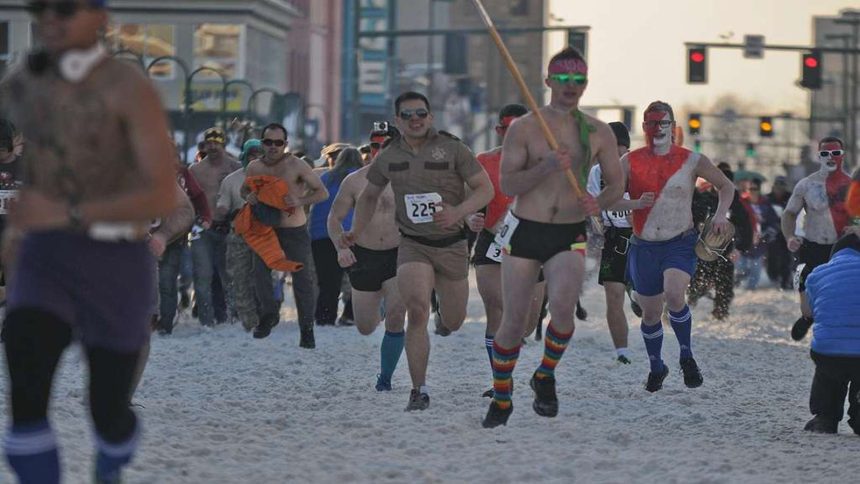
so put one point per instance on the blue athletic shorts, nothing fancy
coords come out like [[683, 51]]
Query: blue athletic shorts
[[647, 261], [103, 290]]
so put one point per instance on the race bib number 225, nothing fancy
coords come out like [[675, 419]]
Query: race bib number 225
[[420, 207]]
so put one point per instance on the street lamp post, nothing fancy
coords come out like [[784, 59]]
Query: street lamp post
[[227, 85], [186, 97]]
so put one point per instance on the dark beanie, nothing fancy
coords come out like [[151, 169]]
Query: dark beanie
[[849, 241], [621, 133]]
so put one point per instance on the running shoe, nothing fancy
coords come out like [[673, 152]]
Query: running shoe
[[821, 425], [623, 360], [307, 339], [418, 401], [581, 313], [383, 384], [655, 380], [637, 309], [546, 401], [692, 375], [496, 416], [800, 328]]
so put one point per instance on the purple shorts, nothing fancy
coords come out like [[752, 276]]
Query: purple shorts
[[103, 290]]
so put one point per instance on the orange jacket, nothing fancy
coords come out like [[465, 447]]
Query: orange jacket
[[852, 203], [261, 238]]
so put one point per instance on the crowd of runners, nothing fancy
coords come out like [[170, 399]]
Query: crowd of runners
[[101, 220]]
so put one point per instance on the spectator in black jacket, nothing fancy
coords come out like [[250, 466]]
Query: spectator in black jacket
[[780, 263], [719, 274]]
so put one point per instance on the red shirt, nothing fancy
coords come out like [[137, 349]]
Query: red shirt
[[491, 161]]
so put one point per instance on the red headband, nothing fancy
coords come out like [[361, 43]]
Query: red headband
[[564, 66]]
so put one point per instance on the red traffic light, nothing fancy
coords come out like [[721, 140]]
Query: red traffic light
[[697, 57], [811, 62]]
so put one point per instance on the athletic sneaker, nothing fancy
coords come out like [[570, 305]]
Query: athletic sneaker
[[637, 309], [655, 380], [382, 384], [800, 328], [262, 330], [623, 360], [821, 425], [692, 375], [546, 401], [581, 313], [496, 416], [418, 401], [489, 393], [307, 338]]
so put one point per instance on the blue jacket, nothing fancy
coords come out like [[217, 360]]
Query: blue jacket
[[835, 306], [320, 211]]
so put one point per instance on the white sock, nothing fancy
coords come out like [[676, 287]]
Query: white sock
[[621, 352], [424, 389]]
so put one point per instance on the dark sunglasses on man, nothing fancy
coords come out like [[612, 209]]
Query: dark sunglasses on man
[[65, 9], [274, 142], [406, 114]]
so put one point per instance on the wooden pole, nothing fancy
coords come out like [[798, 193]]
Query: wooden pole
[[524, 90]]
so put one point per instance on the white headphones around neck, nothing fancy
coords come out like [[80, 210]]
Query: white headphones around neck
[[73, 65]]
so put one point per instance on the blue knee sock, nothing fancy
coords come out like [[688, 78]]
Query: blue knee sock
[[31, 451], [390, 350], [682, 323], [488, 342], [112, 457], [653, 336]]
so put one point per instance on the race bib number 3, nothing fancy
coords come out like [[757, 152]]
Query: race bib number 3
[[420, 207], [494, 252], [6, 197]]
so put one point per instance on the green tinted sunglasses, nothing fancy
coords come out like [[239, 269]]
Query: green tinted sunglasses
[[579, 79]]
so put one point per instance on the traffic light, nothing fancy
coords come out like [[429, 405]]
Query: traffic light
[[697, 146], [750, 150], [765, 127], [694, 124], [697, 65], [811, 69]]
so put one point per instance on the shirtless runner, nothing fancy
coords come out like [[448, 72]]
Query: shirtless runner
[[822, 194], [372, 267], [661, 178], [305, 189], [98, 168], [546, 227]]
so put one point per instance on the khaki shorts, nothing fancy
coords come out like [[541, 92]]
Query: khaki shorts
[[450, 262]]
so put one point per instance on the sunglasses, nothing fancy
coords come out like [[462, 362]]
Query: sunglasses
[[63, 10], [578, 79], [828, 154], [406, 114], [663, 123], [274, 142]]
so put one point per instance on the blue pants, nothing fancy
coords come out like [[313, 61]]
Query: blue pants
[[209, 255]]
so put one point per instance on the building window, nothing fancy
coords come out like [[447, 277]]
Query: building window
[[217, 46], [4, 46], [148, 42], [519, 8]]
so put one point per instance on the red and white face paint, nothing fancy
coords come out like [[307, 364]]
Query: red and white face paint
[[831, 162], [658, 129]]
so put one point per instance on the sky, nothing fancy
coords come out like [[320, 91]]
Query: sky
[[637, 53]]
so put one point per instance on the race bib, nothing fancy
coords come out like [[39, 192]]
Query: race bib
[[6, 197], [494, 252], [506, 231], [420, 207]]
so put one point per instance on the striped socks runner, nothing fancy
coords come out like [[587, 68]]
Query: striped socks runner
[[653, 336], [504, 361], [555, 343]]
